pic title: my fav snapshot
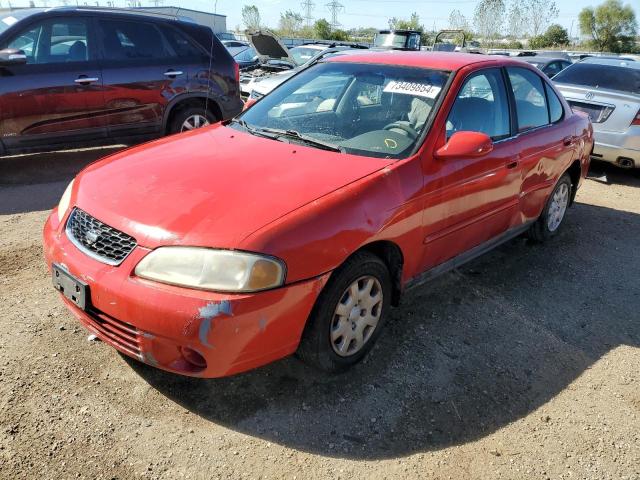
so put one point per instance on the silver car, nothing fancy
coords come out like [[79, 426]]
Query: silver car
[[608, 90]]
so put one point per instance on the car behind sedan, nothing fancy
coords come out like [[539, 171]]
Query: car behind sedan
[[296, 226], [609, 92]]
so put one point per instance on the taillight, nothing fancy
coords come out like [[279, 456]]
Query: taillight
[[237, 72], [636, 119]]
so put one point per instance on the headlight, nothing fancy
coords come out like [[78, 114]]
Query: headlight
[[63, 206], [208, 269]]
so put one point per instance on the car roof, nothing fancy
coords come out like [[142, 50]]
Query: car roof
[[612, 62], [537, 59], [79, 9], [435, 60]]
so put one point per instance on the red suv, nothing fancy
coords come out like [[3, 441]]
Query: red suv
[[296, 226], [88, 76]]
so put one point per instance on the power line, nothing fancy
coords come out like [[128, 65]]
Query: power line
[[335, 8], [308, 7]]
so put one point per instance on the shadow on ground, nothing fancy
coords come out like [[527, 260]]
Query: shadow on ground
[[477, 349], [36, 181]]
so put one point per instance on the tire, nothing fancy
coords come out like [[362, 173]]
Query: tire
[[320, 344], [554, 213], [184, 115]]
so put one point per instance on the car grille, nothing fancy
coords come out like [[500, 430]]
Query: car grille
[[98, 240], [123, 335], [597, 113]]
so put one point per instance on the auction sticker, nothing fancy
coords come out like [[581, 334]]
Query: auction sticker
[[412, 88]]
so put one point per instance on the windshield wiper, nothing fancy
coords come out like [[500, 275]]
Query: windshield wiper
[[305, 139], [275, 134], [253, 130]]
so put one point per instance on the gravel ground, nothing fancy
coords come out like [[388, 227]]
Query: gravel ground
[[521, 365]]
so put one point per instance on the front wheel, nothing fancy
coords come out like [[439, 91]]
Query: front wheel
[[554, 212], [348, 314]]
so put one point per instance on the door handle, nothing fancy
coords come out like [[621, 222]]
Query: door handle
[[512, 163], [173, 73], [567, 141], [84, 80]]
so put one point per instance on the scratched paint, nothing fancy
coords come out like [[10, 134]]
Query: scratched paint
[[207, 314]]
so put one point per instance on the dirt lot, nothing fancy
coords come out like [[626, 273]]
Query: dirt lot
[[522, 365]]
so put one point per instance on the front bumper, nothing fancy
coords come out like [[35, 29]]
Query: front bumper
[[613, 147], [154, 323]]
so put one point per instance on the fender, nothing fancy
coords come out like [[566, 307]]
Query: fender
[[187, 96]]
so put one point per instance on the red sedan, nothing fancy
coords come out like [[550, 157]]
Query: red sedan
[[297, 225]]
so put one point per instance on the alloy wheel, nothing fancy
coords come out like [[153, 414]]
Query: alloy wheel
[[356, 316], [193, 122], [558, 207]]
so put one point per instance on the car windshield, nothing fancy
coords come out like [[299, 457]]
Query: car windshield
[[302, 55], [363, 109], [6, 21], [246, 55], [390, 40], [601, 76]]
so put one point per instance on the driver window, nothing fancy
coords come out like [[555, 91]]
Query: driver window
[[57, 41], [481, 106]]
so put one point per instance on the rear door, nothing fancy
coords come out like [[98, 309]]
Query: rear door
[[56, 99], [547, 142], [141, 74]]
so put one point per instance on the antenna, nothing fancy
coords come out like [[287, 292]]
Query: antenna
[[335, 8], [308, 6]]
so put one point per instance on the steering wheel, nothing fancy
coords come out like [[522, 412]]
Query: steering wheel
[[410, 131]]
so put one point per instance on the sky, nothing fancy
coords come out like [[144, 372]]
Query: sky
[[356, 13], [376, 13]]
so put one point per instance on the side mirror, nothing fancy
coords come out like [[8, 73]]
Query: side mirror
[[11, 56], [466, 145]]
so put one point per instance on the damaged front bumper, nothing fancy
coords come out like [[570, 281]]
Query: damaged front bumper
[[191, 332]]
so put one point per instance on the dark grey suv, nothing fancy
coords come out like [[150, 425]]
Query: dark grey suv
[[81, 76]]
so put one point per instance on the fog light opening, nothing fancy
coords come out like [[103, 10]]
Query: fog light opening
[[193, 358]]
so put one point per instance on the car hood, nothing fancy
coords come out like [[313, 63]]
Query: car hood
[[211, 187], [269, 46]]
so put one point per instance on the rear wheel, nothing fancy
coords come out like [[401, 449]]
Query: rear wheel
[[348, 314], [554, 212], [191, 118]]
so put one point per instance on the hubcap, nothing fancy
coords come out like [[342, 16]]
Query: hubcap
[[356, 316], [193, 122], [558, 207]]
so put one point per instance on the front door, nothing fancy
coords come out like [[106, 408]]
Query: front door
[[55, 99], [470, 201]]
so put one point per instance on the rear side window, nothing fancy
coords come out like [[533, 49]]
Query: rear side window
[[132, 41], [610, 77], [481, 106], [181, 45], [531, 105], [556, 112]]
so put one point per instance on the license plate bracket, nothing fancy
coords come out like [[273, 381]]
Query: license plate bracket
[[71, 287]]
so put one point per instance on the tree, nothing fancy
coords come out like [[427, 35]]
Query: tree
[[556, 36], [537, 42], [401, 24], [251, 17], [538, 14], [488, 18], [322, 29], [611, 26], [290, 23], [457, 21], [516, 20]]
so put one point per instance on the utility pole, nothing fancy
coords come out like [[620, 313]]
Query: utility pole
[[335, 8], [308, 7]]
